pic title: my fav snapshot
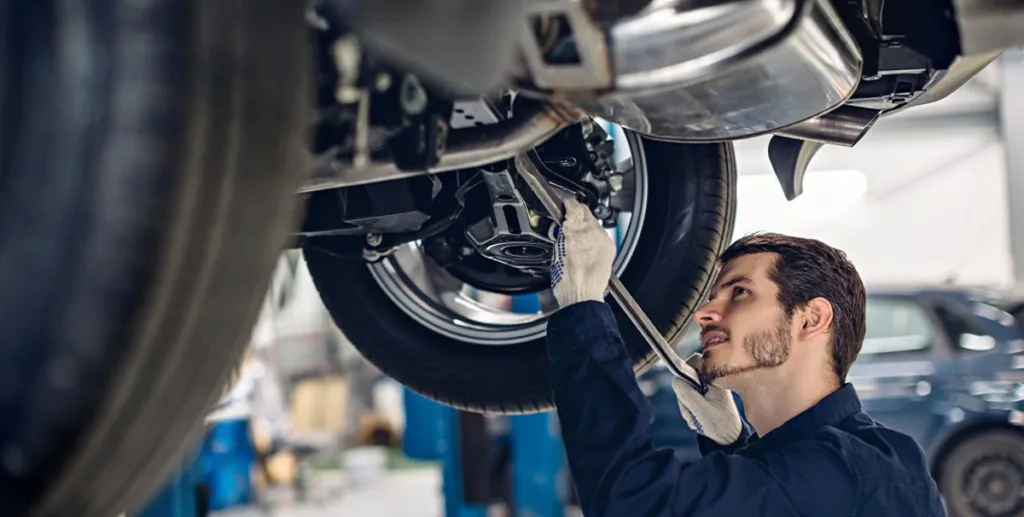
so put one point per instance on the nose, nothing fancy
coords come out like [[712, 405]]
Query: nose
[[707, 314]]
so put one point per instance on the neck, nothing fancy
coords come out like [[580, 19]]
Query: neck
[[770, 402]]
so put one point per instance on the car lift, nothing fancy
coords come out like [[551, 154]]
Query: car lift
[[460, 441]]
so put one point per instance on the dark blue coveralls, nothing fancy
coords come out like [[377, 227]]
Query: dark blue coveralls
[[831, 460]]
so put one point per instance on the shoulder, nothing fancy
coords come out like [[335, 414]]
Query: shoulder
[[889, 467], [841, 456], [812, 471], [884, 460], [820, 456], [878, 449]]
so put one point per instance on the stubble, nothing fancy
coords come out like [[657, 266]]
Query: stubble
[[767, 348]]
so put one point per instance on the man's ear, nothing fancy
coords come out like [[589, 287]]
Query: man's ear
[[817, 318]]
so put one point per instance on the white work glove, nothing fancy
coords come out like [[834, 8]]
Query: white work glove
[[584, 252], [713, 414]]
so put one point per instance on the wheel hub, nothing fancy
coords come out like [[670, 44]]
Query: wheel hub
[[516, 235], [513, 235], [994, 485], [486, 282]]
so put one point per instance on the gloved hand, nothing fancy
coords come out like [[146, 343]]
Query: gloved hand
[[713, 414], [584, 253]]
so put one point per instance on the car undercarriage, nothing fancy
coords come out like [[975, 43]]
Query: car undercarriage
[[156, 157], [811, 73], [421, 133]]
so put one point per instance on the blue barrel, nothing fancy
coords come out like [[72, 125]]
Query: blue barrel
[[423, 438], [228, 458]]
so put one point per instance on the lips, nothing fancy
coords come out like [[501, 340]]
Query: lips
[[711, 338]]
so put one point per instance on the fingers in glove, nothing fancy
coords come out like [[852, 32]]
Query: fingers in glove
[[557, 267], [719, 398], [680, 387], [574, 211], [578, 218], [583, 257]]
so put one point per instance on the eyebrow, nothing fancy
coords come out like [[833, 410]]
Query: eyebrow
[[735, 281], [730, 283]]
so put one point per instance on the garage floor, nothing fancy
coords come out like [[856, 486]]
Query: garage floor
[[415, 492]]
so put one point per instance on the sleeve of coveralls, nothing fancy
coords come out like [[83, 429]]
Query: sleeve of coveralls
[[604, 420]]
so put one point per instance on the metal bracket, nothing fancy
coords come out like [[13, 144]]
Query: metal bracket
[[593, 71], [790, 157], [791, 149], [510, 238], [473, 113]]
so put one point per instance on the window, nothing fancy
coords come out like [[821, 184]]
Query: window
[[896, 325], [992, 313], [966, 334]]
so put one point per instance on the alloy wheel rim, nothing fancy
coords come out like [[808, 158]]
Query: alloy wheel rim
[[994, 486], [437, 300]]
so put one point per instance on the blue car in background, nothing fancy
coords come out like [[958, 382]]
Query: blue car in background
[[944, 365]]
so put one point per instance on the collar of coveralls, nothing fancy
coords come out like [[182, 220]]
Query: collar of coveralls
[[828, 412]]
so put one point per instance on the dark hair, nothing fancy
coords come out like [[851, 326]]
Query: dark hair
[[805, 269]]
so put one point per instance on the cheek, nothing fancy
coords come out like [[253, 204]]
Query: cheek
[[749, 319]]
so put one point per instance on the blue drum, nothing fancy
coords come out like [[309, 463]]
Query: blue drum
[[228, 458]]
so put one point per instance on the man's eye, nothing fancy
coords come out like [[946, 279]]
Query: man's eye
[[737, 291]]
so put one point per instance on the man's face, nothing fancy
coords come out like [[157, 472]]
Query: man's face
[[743, 326]]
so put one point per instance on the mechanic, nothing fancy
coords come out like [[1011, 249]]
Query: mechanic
[[783, 323]]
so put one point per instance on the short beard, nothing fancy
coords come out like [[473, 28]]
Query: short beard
[[768, 348]]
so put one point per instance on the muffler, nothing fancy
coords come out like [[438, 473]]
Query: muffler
[[703, 71]]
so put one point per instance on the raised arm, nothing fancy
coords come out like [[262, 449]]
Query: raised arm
[[604, 419]]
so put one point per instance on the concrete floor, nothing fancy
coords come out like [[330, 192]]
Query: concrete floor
[[412, 493]]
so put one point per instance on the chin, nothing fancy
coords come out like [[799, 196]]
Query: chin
[[716, 359], [727, 372]]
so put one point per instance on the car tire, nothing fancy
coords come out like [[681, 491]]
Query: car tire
[[150, 152], [995, 452], [688, 223]]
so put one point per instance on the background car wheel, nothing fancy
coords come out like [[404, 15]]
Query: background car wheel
[[149, 157], [498, 363], [984, 476]]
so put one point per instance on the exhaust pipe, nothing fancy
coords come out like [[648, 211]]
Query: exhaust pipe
[[534, 123], [790, 150], [845, 126]]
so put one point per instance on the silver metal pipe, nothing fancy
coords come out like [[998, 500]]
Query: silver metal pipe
[[466, 148], [844, 126]]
